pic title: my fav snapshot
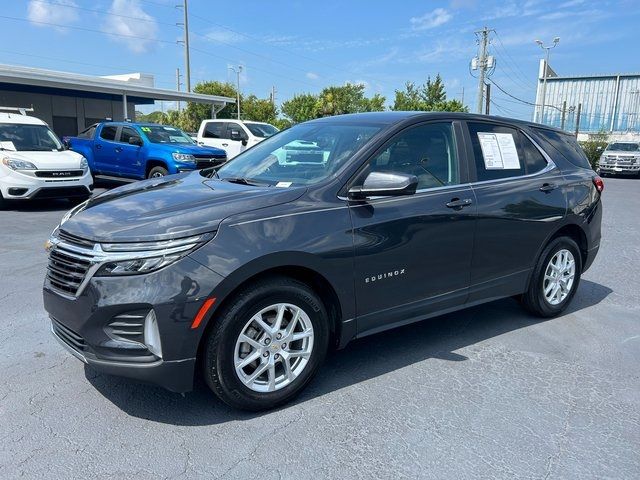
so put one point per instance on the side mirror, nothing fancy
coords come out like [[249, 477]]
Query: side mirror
[[135, 140], [244, 142], [66, 144], [385, 184]]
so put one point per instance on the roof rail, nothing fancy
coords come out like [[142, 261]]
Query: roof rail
[[20, 110]]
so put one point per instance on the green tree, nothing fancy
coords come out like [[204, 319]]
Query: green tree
[[259, 110], [594, 146], [347, 98], [431, 96], [153, 117], [301, 108]]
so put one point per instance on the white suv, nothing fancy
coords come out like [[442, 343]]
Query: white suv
[[34, 163], [233, 136]]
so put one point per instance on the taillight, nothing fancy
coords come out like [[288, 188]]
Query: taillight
[[598, 183]]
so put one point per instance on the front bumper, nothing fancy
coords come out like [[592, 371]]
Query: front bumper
[[619, 170], [15, 185], [85, 325]]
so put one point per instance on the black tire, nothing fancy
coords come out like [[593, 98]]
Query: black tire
[[219, 349], [534, 299], [158, 172]]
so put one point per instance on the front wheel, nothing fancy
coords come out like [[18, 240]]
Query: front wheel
[[157, 172], [555, 278], [266, 345]]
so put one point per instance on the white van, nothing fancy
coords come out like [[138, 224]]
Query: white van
[[35, 164], [233, 136]]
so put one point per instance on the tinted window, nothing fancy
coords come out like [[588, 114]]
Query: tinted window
[[427, 151], [235, 130], [262, 130], [214, 130], [108, 132], [533, 159], [623, 147], [166, 134], [127, 133], [496, 153], [566, 145]]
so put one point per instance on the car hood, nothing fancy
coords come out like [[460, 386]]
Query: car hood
[[170, 207], [50, 160], [191, 149]]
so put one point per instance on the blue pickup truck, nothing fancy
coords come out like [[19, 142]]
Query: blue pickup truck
[[141, 150]]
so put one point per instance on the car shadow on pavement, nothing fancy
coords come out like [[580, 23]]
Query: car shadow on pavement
[[362, 360], [50, 205]]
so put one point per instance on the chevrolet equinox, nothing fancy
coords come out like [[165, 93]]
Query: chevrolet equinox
[[331, 230]]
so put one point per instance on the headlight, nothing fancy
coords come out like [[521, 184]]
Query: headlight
[[84, 165], [184, 157], [15, 164], [144, 257]]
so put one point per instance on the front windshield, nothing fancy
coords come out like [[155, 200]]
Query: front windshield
[[262, 130], [21, 137], [302, 155], [166, 134], [624, 147]]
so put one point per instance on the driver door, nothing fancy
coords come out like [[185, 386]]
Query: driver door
[[235, 139], [413, 253]]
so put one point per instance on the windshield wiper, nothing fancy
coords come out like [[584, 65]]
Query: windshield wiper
[[240, 180]]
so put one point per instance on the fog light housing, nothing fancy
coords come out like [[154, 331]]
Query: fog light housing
[[152, 334]]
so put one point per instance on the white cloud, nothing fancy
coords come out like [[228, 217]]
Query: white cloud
[[225, 36], [130, 20], [62, 12], [429, 20], [312, 76]]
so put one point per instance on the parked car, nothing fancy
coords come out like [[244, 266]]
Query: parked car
[[256, 270], [620, 158], [141, 150], [234, 136], [34, 163]]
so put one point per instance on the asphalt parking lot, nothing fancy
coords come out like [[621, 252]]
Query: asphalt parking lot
[[489, 392]]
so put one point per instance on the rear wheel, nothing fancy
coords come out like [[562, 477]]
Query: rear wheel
[[555, 278], [266, 344], [157, 172]]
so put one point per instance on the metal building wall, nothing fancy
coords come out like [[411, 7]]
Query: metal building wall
[[609, 103]]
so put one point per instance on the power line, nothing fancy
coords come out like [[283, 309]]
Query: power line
[[517, 70], [518, 99]]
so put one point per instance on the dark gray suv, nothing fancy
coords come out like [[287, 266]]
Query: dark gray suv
[[331, 230]]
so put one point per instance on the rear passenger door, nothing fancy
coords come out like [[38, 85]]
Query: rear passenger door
[[520, 201], [104, 150]]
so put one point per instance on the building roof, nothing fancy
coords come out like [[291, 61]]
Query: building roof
[[36, 77]]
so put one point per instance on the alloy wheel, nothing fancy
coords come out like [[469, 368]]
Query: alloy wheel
[[273, 347], [559, 276]]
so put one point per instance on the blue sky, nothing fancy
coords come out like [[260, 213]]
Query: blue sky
[[300, 46]]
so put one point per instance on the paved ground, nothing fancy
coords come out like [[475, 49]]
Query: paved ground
[[489, 392]]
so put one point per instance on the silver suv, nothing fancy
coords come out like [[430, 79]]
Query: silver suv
[[620, 158]]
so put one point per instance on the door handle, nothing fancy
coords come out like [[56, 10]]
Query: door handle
[[98, 146], [459, 204], [225, 144], [118, 149], [200, 143], [547, 187]]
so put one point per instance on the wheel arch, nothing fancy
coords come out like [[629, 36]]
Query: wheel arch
[[154, 162]]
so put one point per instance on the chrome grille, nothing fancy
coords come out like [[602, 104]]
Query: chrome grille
[[128, 327], [69, 263]]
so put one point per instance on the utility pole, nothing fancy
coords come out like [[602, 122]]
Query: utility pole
[[273, 95], [237, 71], [556, 40], [178, 83], [482, 64], [487, 99], [187, 61], [579, 109], [462, 100], [564, 114]]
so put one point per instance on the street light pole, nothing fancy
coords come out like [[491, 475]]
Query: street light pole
[[237, 72], [556, 40]]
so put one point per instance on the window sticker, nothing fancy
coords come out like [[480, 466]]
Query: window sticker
[[145, 129], [283, 184], [499, 151], [170, 129]]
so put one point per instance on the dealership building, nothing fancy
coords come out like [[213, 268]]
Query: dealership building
[[69, 102], [604, 103]]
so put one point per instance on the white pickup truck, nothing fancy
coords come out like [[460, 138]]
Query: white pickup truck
[[233, 136]]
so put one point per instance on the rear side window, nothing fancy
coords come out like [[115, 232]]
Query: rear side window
[[496, 152], [108, 132], [566, 145], [88, 133], [214, 130], [534, 160]]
